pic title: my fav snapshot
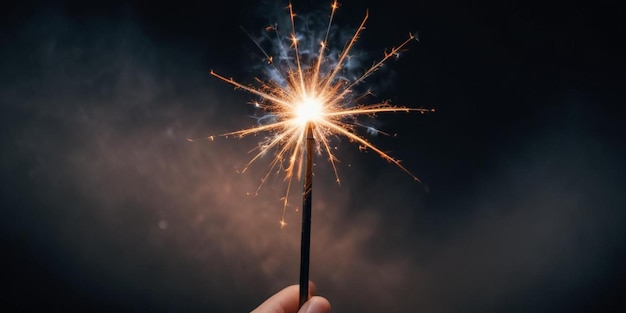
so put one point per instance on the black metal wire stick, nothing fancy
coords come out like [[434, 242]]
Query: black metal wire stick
[[305, 244]]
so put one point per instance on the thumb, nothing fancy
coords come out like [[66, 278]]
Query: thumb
[[315, 305]]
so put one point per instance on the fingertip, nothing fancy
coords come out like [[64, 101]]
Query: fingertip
[[316, 305]]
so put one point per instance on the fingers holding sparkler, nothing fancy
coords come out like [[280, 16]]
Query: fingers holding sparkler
[[286, 301]]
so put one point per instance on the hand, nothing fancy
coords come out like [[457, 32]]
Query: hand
[[287, 301]]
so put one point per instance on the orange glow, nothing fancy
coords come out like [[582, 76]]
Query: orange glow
[[315, 96]]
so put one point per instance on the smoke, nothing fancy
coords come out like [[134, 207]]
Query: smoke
[[311, 27], [107, 205], [127, 213]]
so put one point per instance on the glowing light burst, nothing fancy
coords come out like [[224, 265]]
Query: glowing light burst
[[309, 88]]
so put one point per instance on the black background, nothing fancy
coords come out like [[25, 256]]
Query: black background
[[107, 207]]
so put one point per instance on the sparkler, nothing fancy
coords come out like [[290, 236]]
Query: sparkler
[[308, 99]]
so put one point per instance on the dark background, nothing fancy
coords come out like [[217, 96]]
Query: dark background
[[107, 207]]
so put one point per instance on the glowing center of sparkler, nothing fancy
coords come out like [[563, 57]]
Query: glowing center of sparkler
[[308, 110]]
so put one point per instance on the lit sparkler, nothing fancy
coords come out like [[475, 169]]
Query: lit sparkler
[[308, 100]]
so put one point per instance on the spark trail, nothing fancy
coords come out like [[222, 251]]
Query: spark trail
[[306, 90]]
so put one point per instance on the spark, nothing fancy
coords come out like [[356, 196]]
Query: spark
[[307, 89]]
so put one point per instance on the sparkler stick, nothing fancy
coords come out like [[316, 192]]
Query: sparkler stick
[[305, 243]]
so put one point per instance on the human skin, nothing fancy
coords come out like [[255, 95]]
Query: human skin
[[287, 301]]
